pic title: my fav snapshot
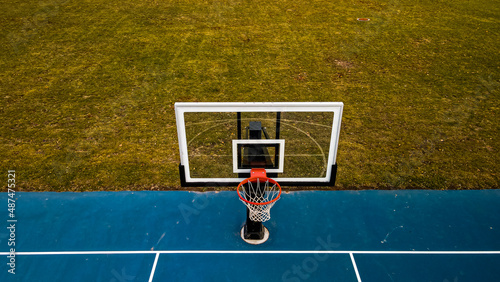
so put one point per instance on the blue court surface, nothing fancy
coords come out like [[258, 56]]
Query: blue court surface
[[314, 236]]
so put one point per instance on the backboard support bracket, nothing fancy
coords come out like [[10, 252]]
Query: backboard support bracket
[[184, 183]]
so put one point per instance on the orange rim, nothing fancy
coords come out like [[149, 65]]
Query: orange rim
[[254, 179]]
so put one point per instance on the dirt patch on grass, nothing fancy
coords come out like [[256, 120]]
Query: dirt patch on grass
[[344, 64], [339, 62]]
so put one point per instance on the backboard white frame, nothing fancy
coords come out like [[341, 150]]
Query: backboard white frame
[[184, 107], [281, 161]]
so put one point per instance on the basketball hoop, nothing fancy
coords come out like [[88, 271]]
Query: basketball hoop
[[259, 193]]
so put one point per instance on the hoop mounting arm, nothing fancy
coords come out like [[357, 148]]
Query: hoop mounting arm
[[258, 173]]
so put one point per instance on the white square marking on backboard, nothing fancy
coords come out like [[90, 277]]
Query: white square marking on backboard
[[281, 143]]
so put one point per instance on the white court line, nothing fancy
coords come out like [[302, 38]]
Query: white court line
[[256, 252], [355, 267], [154, 268]]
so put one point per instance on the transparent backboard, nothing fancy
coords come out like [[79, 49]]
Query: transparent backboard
[[298, 140]]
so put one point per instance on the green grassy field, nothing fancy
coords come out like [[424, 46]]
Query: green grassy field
[[88, 87]]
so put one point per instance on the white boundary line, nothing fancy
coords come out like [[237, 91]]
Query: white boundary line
[[350, 253], [154, 268], [355, 267], [254, 252]]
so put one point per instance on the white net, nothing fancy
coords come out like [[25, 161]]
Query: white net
[[258, 192]]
